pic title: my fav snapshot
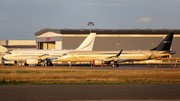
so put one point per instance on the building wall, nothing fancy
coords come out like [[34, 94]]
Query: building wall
[[72, 42], [17, 42], [49, 40], [58, 45], [126, 43], [115, 43], [2, 49], [21, 42], [176, 46], [46, 45], [2, 42]]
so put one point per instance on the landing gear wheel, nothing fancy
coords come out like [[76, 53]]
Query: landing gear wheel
[[25, 64], [49, 63], [115, 65]]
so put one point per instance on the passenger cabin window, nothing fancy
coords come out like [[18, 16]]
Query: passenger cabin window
[[9, 53]]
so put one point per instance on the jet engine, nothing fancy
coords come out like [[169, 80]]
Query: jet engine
[[97, 62], [31, 61]]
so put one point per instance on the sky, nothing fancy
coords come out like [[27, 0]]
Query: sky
[[20, 19]]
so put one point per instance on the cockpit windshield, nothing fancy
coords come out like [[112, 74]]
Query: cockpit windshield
[[9, 53], [64, 54]]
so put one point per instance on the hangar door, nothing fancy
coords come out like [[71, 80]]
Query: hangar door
[[46, 45]]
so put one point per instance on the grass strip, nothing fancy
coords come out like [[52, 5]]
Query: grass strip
[[5, 71], [43, 75], [14, 82]]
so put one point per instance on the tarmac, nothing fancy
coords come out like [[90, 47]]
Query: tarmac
[[90, 92]]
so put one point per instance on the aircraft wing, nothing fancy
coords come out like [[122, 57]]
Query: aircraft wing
[[109, 60], [43, 57], [40, 57], [115, 59]]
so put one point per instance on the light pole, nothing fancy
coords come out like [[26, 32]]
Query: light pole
[[90, 24]]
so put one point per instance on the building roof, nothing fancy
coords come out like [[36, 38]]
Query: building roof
[[20, 46], [109, 31]]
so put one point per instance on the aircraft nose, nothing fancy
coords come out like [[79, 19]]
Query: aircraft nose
[[5, 56], [59, 59]]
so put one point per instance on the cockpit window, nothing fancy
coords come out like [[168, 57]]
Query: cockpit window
[[9, 53], [64, 54]]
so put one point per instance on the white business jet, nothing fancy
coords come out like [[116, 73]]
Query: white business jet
[[45, 57]]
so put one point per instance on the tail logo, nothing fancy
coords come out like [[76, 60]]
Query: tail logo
[[166, 41]]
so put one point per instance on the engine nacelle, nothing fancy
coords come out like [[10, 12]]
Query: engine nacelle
[[98, 62], [31, 61]]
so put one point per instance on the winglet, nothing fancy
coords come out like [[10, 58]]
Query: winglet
[[119, 53], [87, 44]]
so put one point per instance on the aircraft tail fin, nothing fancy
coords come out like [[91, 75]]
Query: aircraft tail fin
[[165, 44], [88, 43]]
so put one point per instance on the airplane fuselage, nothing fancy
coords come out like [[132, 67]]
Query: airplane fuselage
[[89, 56], [22, 55]]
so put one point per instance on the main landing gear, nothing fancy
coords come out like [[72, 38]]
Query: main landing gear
[[115, 64]]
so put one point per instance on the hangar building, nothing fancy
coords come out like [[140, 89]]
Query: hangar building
[[107, 39], [18, 44], [7, 45]]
